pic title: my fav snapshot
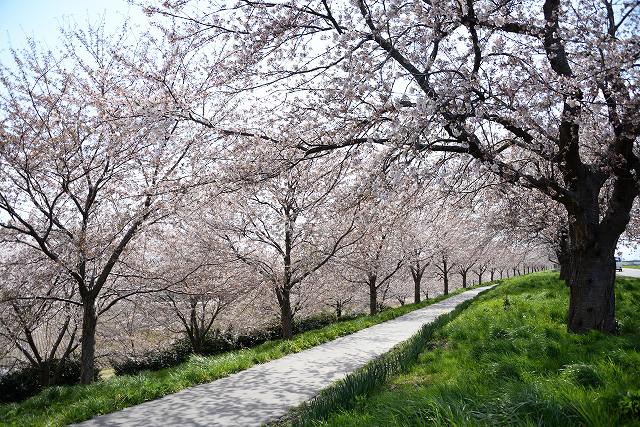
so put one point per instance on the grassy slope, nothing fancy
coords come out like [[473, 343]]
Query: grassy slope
[[63, 405], [513, 363]]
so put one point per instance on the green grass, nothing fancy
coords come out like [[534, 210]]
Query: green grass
[[508, 360], [637, 267], [57, 406], [372, 375]]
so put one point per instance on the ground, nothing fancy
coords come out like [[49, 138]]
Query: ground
[[57, 406], [508, 360]]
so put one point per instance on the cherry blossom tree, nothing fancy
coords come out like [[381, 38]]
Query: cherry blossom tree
[[542, 93], [39, 314], [289, 226], [418, 242], [87, 161], [206, 277]]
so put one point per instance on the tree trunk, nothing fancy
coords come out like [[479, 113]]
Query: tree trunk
[[338, 310], [88, 347], [197, 342], [464, 279], [479, 279], [417, 279], [44, 369], [565, 267], [373, 296], [446, 283], [591, 281], [286, 314]]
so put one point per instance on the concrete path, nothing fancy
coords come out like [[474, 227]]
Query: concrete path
[[268, 391], [630, 272]]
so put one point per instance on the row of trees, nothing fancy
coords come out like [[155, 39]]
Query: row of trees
[[540, 94], [273, 144], [299, 240]]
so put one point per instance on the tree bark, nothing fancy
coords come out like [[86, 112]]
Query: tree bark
[[417, 281], [592, 277], [373, 296], [88, 341], [592, 301], [564, 257], [45, 373], [286, 314], [446, 284]]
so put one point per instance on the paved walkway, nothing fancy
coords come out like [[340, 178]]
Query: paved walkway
[[268, 391], [630, 272]]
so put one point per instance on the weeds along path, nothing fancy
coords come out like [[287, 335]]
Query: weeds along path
[[268, 391]]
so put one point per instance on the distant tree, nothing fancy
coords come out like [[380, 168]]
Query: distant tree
[[289, 226], [38, 313]]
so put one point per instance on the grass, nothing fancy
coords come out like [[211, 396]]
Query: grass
[[637, 267], [58, 406], [508, 360], [372, 375]]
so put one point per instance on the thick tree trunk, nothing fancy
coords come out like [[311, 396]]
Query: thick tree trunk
[[45, 373], [197, 342], [464, 279], [286, 314], [565, 270], [564, 261], [338, 310], [88, 344], [591, 281], [479, 279]]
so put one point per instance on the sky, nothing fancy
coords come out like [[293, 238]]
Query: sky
[[40, 19]]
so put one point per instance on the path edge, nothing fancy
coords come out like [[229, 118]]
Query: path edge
[[343, 393]]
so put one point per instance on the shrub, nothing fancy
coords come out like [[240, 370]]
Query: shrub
[[153, 360], [258, 337], [25, 382], [313, 322], [216, 342]]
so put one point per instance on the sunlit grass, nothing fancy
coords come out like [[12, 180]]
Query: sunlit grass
[[509, 360], [57, 406]]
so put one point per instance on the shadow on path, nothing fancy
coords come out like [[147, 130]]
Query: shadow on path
[[266, 392]]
